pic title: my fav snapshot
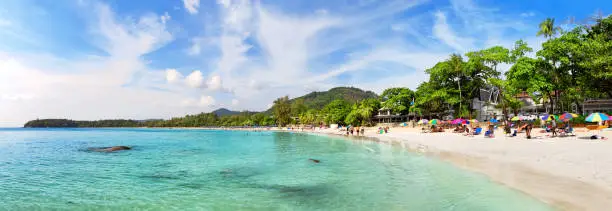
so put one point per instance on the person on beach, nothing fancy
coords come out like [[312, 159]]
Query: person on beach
[[457, 129], [528, 129], [490, 131], [553, 127], [362, 131]]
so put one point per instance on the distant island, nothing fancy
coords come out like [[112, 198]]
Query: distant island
[[313, 101]]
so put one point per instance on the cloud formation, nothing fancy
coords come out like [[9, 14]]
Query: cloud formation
[[191, 6], [195, 79]]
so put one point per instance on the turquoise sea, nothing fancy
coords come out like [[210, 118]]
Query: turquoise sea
[[172, 169]]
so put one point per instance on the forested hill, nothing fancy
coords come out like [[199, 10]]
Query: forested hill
[[72, 123], [318, 100], [219, 117], [225, 112]]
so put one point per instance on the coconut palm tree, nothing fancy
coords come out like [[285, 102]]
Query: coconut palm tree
[[548, 28]]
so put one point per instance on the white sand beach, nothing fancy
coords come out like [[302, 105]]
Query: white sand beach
[[570, 173]]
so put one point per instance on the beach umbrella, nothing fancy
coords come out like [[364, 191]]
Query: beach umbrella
[[493, 121], [567, 116], [517, 118], [549, 117], [458, 121], [597, 117], [433, 122], [423, 121], [472, 121], [403, 124]]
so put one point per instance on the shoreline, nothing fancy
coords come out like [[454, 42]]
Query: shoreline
[[549, 177]]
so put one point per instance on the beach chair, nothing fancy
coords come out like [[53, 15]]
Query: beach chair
[[477, 131], [570, 131], [561, 132], [489, 134]]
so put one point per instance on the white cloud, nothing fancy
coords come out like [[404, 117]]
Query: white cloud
[[207, 101], [195, 79], [173, 76], [72, 88], [397, 27], [165, 18], [195, 48], [321, 12], [191, 6], [527, 14], [235, 102], [4, 22], [214, 83], [442, 31], [224, 3]]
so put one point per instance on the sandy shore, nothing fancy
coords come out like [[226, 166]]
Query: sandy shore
[[570, 173]]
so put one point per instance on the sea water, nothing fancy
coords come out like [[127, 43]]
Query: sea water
[[173, 169]]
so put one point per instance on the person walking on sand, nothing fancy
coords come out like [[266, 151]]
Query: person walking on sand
[[553, 127], [528, 130], [362, 131]]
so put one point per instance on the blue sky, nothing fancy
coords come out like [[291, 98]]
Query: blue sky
[[95, 59]]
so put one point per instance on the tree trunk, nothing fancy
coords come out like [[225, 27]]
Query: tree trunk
[[552, 103]]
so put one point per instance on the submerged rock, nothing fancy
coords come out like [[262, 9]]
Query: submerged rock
[[109, 149], [314, 160]]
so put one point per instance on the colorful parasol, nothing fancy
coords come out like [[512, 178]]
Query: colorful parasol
[[458, 121], [550, 117], [597, 117], [517, 118], [567, 116], [433, 122]]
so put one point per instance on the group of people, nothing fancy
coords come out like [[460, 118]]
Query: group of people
[[350, 130], [382, 130]]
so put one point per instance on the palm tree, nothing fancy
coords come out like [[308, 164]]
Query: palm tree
[[548, 28], [365, 113], [456, 62]]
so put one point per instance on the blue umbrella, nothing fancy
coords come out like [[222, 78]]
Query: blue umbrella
[[493, 120]]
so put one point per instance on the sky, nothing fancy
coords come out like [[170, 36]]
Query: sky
[[110, 59]]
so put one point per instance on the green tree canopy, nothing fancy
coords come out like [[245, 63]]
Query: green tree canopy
[[397, 99], [282, 111], [336, 111]]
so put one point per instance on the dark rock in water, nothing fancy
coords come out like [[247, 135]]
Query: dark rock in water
[[109, 149], [314, 160]]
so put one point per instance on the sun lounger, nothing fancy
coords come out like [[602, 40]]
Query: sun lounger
[[595, 127]]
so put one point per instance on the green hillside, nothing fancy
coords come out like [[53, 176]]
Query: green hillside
[[317, 100]]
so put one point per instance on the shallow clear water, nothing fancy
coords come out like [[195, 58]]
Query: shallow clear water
[[170, 169]]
